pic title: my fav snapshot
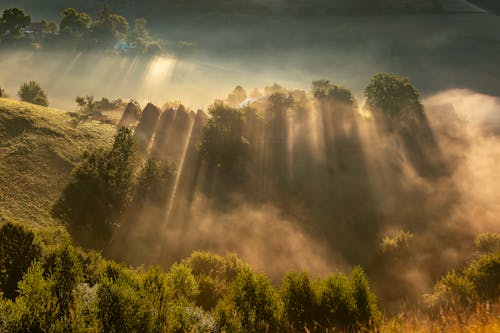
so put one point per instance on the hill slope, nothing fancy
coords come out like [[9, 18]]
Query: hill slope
[[38, 148]]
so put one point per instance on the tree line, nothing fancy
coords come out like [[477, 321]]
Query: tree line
[[107, 31]]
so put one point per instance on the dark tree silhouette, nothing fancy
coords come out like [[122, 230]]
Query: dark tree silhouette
[[18, 249]]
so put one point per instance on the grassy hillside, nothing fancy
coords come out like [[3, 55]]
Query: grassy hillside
[[38, 148]]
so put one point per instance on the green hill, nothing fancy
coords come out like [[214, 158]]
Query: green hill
[[38, 148]]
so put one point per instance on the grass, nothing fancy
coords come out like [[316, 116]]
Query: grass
[[38, 148], [482, 318]]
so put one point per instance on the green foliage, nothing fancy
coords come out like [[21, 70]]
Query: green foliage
[[66, 274], [280, 103], [324, 90], [157, 293], [12, 22], [31, 92], [347, 303], [88, 105], [300, 301], [484, 273], [153, 182], [108, 27], [368, 314], [398, 243], [252, 305], [480, 279], [488, 242], [223, 144], [214, 274], [33, 306], [74, 23], [99, 189], [182, 283], [121, 307], [18, 249], [393, 96]]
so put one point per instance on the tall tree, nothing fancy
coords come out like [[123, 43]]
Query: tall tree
[[98, 192], [12, 22], [74, 23]]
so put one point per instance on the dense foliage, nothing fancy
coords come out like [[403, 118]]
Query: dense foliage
[[99, 190], [31, 92], [108, 31], [65, 289]]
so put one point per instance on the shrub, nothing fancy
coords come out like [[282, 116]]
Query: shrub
[[480, 279], [484, 273], [347, 303], [399, 243], [300, 302], [488, 242], [31, 92], [214, 275], [18, 249], [251, 305]]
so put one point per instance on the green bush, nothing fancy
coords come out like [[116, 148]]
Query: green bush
[[251, 305], [479, 280], [214, 274], [18, 249], [31, 92], [300, 302], [484, 273]]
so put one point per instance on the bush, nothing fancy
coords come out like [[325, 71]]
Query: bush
[[400, 243], [300, 302], [488, 242], [479, 280], [484, 273], [347, 303], [214, 274], [251, 305], [18, 249], [31, 92]]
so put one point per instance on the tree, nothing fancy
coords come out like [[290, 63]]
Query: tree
[[109, 27], [392, 95], [222, 143], [13, 21], [18, 249], [299, 300], [31, 92], [74, 23], [325, 91], [66, 274], [2, 93], [153, 182], [238, 95], [250, 306], [98, 191]]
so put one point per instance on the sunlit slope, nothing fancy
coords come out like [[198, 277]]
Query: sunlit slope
[[38, 148]]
